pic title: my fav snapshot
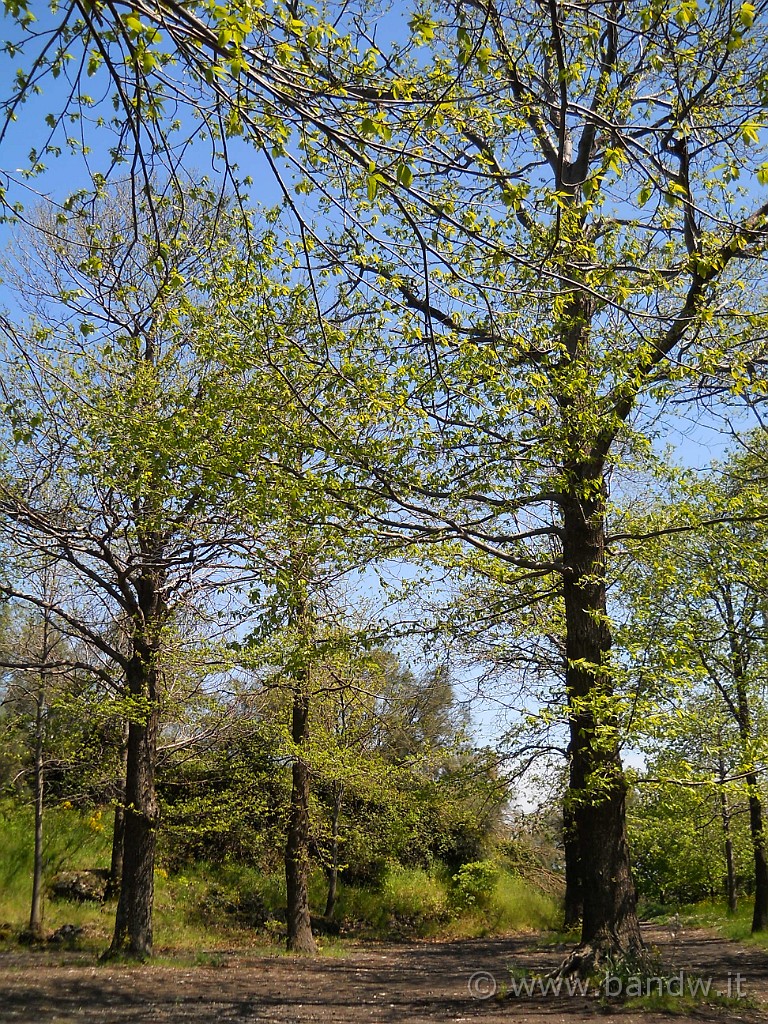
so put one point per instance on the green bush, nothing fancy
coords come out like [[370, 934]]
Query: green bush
[[473, 884], [513, 904]]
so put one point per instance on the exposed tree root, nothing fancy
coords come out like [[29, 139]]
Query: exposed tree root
[[589, 960]]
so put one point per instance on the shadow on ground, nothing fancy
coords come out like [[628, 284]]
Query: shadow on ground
[[389, 984]]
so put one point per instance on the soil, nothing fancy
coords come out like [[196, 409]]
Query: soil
[[416, 983]]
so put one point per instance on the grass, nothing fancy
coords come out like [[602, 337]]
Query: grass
[[76, 840], [513, 906], [408, 900], [71, 839], [715, 915], [685, 1005]]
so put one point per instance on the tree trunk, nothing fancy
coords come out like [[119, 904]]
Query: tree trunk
[[574, 896], [133, 920], [36, 912], [730, 876], [300, 938], [333, 867], [598, 786], [116, 862], [36, 909], [756, 824], [725, 817], [757, 830], [118, 830]]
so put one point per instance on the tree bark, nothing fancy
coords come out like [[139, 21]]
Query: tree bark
[[598, 786], [133, 920], [574, 895], [757, 830], [756, 823], [300, 938]]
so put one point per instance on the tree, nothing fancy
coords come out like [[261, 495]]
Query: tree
[[300, 638], [678, 843], [394, 757], [41, 697], [582, 264], [137, 406], [45, 685], [516, 635], [707, 587]]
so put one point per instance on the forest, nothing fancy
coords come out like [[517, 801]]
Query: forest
[[383, 473]]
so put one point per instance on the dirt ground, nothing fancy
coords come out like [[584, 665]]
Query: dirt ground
[[418, 982]]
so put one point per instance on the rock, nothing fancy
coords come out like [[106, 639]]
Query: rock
[[67, 935], [325, 926], [80, 885]]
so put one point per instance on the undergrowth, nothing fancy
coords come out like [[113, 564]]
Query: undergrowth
[[205, 910]]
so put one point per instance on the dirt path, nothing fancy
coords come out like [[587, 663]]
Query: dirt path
[[416, 983]]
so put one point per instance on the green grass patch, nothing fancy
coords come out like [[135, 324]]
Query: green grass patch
[[715, 915], [408, 901], [664, 1003], [687, 1004], [73, 839]]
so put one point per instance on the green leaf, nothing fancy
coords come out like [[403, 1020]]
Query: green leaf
[[750, 132], [133, 24], [422, 28], [747, 15], [404, 175]]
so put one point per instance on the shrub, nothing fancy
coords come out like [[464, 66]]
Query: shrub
[[473, 884]]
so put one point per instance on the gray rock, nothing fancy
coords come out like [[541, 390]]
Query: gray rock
[[67, 935], [80, 885]]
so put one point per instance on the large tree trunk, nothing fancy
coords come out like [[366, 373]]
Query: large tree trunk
[[756, 824], [574, 893], [133, 920], [757, 830], [598, 786], [300, 938]]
